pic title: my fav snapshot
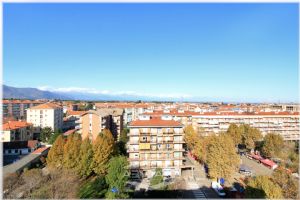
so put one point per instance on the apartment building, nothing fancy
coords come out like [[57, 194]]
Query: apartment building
[[115, 116], [284, 123], [72, 119], [131, 110], [13, 131], [17, 108], [92, 123], [156, 142], [46, 115]]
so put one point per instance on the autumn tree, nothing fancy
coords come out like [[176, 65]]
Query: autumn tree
[[262, 187], [272, 145], [250, 136], [117, 176], [56, 153], [85, 158], [190, 137], [222, 159], [287, 183], [71, 151], [103, 148], [235, 132]]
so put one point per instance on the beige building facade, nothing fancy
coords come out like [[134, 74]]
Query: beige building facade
[[156, 142]]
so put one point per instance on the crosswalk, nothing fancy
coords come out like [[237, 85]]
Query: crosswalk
[[199, 194]]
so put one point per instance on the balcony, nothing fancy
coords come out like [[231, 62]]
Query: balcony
[[144, 146], [134, 142]]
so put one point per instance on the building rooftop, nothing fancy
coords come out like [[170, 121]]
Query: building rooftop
[[155, 122], [46, 106], [13, 125]]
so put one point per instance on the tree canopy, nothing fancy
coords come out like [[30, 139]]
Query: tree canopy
[[117, 176], [287, 182], [85, 158], [103, 148], [222, 159], [236, 133], [71, 151], [272, 145], [262, 187], [56, 153]]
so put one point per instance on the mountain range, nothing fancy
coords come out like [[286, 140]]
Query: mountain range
[[34, 93]]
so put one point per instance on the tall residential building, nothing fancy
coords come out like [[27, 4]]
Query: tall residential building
[[156, 142], [46, 115], [13, 131], [116, 119], [92, 123]]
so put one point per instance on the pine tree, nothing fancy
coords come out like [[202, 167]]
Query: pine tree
[[103, 148], [71, 151], [222, 159], [85, 158], [56, 153]]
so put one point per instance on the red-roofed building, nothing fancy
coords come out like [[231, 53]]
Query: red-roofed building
[[156, 142], [16, 131], [17, 108]]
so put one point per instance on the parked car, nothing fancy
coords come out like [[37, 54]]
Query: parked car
[[245, 170], [218, 188]]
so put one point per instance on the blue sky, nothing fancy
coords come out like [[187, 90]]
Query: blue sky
[[244, 52]]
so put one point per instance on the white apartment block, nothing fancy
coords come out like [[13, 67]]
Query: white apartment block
[[46, 115], [284, 123]]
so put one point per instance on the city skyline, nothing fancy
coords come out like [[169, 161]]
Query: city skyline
[[231, 51]]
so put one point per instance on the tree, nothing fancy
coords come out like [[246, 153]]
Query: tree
[[235, 132], [262, 187], [117, 176], [103, 148], [190, 137], [121, 144], [71, 151], [222, 159], [46, 133], [53, 137], [56, 153], [272, 145], [250, 136], [124, 135], [94, 189], [287, 183], [85, 157]]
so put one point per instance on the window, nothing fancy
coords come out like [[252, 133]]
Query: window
[[29, 150], [9, 151], [16, 150]]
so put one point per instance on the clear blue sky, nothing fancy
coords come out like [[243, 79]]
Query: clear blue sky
[[239, 51]]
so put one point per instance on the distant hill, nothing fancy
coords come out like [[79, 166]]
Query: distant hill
[[30, 93]]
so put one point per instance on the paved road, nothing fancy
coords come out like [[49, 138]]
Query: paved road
[[202, 181], [259, 169]]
